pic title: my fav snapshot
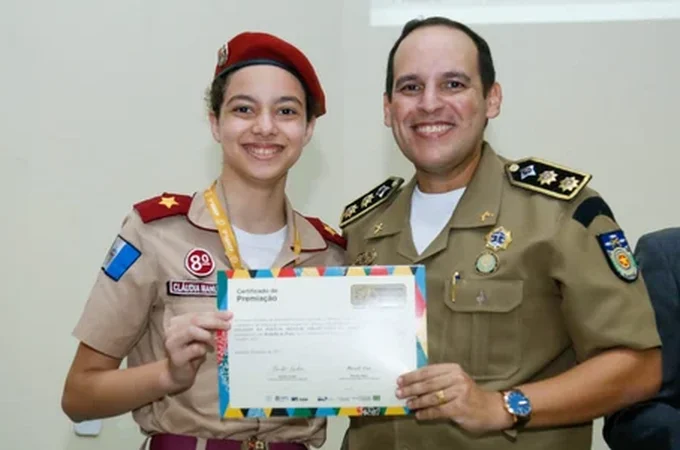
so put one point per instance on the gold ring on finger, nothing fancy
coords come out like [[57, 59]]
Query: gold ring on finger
[[440, 396]]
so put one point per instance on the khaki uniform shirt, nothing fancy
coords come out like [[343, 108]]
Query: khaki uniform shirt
[[128, 317], [546, 295]]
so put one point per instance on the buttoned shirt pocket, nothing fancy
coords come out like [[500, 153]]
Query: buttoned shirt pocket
[[485, 328]]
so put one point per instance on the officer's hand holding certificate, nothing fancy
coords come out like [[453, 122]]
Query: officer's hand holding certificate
[[319, 341]]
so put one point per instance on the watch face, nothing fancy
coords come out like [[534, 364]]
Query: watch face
[[519, 404]]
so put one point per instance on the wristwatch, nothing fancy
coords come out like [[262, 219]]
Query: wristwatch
[[518, 405]]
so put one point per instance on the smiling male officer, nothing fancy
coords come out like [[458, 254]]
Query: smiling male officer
[[538, 318]]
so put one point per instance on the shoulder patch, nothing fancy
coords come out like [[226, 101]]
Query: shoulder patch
[[370, 200], [619, 255], [590, 208], [165, 205], [327, 232], [547, 178], [120, 257]]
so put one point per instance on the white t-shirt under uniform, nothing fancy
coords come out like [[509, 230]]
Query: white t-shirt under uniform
[[259, 251], [429, 214]]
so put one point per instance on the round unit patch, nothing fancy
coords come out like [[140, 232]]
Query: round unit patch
[[199, 263], [624, 263], [486, 263]]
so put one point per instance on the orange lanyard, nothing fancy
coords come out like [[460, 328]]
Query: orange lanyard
[[226, 233]]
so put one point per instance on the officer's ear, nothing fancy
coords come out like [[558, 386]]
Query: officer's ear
[[493, 101], [386, 111]]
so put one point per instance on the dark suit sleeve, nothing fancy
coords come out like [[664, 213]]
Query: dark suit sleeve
[[655, 424], [659, 257], [652, 425]]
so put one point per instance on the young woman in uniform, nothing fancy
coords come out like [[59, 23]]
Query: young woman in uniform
[[154, 299]]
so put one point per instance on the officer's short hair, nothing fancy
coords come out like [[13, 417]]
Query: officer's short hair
[[484, 59]]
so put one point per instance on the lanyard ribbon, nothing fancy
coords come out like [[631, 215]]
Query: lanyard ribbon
[[226, 232]]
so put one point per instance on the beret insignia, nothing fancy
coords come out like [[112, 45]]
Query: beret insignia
[[162, 206], [546, 178], [370, 200]]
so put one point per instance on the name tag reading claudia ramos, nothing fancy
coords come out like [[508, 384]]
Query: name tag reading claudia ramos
[[326, 341]]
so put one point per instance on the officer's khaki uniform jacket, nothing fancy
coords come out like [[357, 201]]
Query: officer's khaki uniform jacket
[[127, 317], [554, 299]]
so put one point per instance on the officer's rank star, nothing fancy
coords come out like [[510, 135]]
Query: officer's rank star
[[367, 200], [350, 211], [569, 184], [168, 202], [377, 228], [547, 177]]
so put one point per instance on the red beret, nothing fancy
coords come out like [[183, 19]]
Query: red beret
[[251, 48]]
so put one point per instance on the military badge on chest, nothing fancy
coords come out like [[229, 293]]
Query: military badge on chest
[[496, 240], [366, 258], [487, 262], [199, 263]]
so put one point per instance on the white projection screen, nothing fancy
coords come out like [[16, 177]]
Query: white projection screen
[[398, 12]]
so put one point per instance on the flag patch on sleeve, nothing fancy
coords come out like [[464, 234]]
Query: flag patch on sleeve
[[121, 256]]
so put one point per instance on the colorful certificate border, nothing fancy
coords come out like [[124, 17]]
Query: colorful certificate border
[[223, 277]]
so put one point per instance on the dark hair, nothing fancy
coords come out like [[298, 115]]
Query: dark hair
[[484, 60], [215, 95]]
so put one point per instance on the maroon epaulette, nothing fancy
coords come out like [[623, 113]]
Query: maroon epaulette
[[327, 232], [165, 205]]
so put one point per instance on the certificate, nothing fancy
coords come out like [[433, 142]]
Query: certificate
[[319, 341]]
